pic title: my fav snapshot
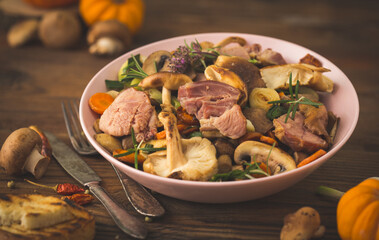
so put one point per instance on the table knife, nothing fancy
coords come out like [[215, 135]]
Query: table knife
[[81, 172], [142, 201]]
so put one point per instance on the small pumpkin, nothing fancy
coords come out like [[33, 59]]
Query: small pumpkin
[[128, 12], [358, 212], [50, 3]]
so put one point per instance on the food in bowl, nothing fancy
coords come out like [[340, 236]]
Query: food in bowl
[[216, 112]]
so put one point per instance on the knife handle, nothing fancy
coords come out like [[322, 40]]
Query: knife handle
[[126, 222]]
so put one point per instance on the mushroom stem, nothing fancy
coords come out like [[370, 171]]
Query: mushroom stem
[[107, 46], [166, 99], [175, 154], [36, 164]]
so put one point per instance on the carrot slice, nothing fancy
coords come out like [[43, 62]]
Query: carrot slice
[[312, 157], [268, 140], [99, 102], [264, 168], [162, 134], [128, 158]]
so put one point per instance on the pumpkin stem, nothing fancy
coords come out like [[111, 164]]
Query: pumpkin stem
[[329, 192]]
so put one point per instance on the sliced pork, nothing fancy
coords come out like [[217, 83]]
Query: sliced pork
[[267, 57], [209, 98], [215, 105], [234, 49], [316, 119], [232, 123], [131, 109], [294, 134]]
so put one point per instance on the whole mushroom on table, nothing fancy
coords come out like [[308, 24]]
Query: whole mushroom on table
[[24, 151]]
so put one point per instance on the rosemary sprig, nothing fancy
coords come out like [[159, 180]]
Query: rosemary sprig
[[294, 100], [137, 147], [133, 70]]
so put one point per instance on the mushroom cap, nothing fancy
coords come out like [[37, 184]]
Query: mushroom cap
[[232, 39], [60, 29], [279, 161], [17, 148], [305, 223], [201, 161], [155, 61], [227, 76], [110, 29], [277, 76], [248, 72], [169, 80]]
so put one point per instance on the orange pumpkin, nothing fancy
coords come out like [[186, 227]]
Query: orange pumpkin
[[128, 12], [50, 3], [358, 212]]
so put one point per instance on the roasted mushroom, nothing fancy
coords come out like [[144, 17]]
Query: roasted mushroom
[[155, 61], [278, 160], [168, 81], [248, 72], [227, 76], [277, 76], [187, 159]]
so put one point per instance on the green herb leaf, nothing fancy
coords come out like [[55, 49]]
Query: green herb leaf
[[114, 85], [294, 101]]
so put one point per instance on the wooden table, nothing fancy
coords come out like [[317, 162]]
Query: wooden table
[[34, 80]]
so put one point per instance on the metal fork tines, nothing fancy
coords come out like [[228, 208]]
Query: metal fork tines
[[138, 196], [75, 132]]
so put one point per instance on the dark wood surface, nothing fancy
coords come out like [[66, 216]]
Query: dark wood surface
[[34, 80]]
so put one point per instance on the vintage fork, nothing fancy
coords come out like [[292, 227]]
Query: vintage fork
[[142, 201]]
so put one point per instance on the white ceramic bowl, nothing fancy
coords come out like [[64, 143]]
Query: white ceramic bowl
[[343, 102]]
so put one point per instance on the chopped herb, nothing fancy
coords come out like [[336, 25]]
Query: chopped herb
[[114, 85], [137, 147], [294, 100], [133, 70], [243, 174]]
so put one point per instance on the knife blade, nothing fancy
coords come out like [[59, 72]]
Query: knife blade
[[81, 172], [142, 201]]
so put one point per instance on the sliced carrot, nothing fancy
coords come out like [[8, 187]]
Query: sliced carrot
[[99, 102], [128, 158], [264, 168], [162, 134], [281, 94], [185, 117], [312, 157], [268, 140]]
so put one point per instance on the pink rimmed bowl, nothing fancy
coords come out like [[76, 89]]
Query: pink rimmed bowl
[[343, 102]]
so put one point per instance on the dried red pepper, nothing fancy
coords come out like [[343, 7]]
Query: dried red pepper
[[63, 188], [80, 198]]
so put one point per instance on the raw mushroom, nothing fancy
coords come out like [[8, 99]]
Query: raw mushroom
[[168, 81], [21, 152], [109, 37], [60, 29], [23, 32], [278, 162], [303, 224], [187, 159]]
